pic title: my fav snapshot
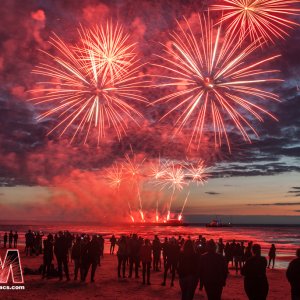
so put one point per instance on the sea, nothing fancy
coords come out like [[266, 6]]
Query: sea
[[285, 238]]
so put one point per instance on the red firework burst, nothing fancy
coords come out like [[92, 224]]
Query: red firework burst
[[214, 81], [90, 88], [261, 19]]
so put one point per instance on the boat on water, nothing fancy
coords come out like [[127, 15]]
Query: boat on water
[[218, 223]]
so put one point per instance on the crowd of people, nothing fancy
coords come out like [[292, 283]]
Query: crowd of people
[[196, 262], [204, 262], [10, 240], [83, 250]]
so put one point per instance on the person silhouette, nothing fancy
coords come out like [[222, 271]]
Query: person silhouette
[[48, 256], [188, 271], [122, 255], [84, 258], [220, 247], [113, 241], [94, 252], [272, 256], [156, 246], [255, 279], [16, 236], [5, 240], [164, 247], [134, 249], [61, 252], [10, 239], [145, 256], [293, 276], [29, 241], [76, 256], [172, 257], [213, 272]]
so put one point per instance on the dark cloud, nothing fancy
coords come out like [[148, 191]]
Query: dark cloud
[[295, 191], [275, 204], [212, 193]]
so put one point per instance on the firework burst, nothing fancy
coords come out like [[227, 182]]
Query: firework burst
[[261, 19], [198, 172], [183, 206], [214, 82], [112, 51], [158, 170], [114, 176], [172, 178], [86, 94]]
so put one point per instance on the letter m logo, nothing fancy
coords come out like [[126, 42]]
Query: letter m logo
[[11, 266]]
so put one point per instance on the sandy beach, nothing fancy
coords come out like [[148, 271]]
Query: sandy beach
[[107, 285]]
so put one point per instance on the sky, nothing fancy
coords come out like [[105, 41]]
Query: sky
[[44, 177]]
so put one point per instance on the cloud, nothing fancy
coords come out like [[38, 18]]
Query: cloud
[[275, 204], [295, 191], [212, 193]]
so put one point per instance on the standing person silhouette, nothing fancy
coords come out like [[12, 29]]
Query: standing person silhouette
[[5, 240], [255, 282], [213, 272], [187, 271], [61, 252], [76, 256], [48, 256], [122, 255], [145, 256], [94, 252], [164, 247], [134, 246], [16, 236], [272, 256], [156, 246], [113, 241], [10, 239], [172, 257], [84, 257], [293, 276]]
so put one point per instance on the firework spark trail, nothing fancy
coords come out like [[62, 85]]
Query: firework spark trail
[[261, 19], [214, 83], [158, 170], [183, 206], [156, 211], [133, 169], [114, 176], [87, 96], [110, 47], [172, 178], [197, 172], [130, 212]]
